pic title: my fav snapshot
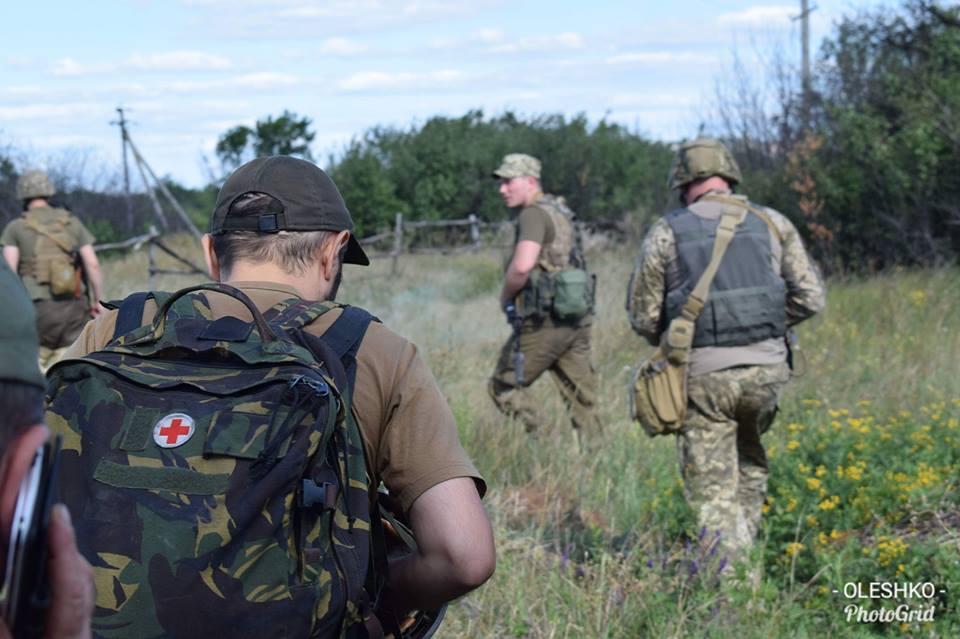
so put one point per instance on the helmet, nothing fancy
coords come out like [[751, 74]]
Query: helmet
[[702, 158], [34, 184]]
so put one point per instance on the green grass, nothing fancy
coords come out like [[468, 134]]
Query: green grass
[[864, 460]]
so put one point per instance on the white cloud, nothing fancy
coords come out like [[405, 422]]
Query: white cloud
[[378, 80], [759, 16], [172, 61], [341, 46], [661, 57], [70, 67], [568, 40], [52, 111], [478, 37], [178, 61], [260, 81], [653, 102]]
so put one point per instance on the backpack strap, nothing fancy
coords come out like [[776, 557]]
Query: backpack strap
[[345, 335], [746, 204], [130, 314]]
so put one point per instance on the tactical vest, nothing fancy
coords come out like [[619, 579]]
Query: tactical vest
[[52, 263], [556, 255], [747, 299]]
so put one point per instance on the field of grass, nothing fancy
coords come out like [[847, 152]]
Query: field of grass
[[864, 463]]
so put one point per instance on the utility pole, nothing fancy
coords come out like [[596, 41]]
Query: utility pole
[[122, 123], [806, 84]]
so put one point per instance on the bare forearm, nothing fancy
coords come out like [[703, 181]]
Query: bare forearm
[[420, 582], [513, 283], [95, 277]]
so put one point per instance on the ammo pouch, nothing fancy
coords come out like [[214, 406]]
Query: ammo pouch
[[567, 295], [63, 275], [658, 392], [573, 293]]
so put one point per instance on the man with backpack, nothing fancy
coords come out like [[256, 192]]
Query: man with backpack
[[548, 298], [763, 284], [245, 472], [47, 246]]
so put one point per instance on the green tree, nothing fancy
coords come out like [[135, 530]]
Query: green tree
[[287, 134]]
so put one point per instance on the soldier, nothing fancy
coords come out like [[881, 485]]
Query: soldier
[[281, 230], [765, 284], [21, 433], [44, 246], [547, 251]]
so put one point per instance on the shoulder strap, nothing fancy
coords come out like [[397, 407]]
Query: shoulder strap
[[729, 221], [345, 335], [756, 210], [130, 314], [66, 248]]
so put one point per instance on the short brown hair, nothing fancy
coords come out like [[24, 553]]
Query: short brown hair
[[292, 251]]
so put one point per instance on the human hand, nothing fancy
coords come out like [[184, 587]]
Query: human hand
[[95, 310], [71, 581], [510, 310]]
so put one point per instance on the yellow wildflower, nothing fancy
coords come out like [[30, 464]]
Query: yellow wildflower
[[793, 548], [821, 471], [813, 483], [830, 503], [793, 444]]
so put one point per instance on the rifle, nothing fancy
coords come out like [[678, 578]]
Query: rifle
[[516, 321]]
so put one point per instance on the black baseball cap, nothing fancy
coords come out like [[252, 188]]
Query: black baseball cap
[[306, 200]]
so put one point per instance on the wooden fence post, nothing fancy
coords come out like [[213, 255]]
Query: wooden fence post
[[397, 243], [152, 265], [474, 230]]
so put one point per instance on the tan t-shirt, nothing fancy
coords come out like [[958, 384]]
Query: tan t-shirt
[[18, 234], [409, 433]]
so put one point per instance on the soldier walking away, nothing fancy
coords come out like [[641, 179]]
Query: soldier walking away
[[243, 465], [52, 251], [766, 283], [548, 297]]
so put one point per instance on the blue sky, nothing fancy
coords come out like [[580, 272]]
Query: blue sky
[[187, 70]]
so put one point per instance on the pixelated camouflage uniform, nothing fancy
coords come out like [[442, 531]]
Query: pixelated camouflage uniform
[[732, 390], [548, 344]]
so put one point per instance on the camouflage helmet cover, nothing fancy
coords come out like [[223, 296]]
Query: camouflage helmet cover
[[33, 184], [702, 158]]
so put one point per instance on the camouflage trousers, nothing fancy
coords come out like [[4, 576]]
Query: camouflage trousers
[[565, 352], [722, 460]]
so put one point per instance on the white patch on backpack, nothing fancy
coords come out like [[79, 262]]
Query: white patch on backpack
[[174, 430]]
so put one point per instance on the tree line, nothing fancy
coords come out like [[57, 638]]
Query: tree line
[[865, 158]]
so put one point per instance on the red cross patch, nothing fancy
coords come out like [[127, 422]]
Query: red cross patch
[[173, 430]]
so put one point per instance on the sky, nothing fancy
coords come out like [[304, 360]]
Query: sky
[[186, 71]]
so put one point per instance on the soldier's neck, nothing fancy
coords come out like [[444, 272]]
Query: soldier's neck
[[38, 203], [536, 195], [305, 284]]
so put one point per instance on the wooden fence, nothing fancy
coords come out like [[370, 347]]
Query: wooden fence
[[399, 243]]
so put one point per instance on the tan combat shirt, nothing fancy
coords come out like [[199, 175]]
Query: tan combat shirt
[[18, 234], [409, 433], [658, 254]]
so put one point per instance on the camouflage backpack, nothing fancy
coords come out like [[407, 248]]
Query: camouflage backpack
[[216, 474]]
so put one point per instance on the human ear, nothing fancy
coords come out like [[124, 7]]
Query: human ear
[[210, 257]]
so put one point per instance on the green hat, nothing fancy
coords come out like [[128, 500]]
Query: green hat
[[702, 158], [307, 198], [518, 164], [18, 332]]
